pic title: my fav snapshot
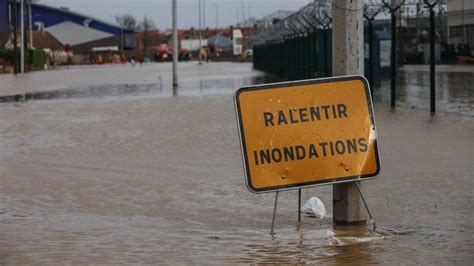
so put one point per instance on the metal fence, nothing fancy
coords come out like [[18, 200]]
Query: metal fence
[[300, 45]]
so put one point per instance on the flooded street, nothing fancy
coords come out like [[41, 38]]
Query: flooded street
[[110, 165], [454, 92]]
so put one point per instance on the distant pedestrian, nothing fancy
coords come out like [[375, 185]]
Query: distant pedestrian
[[202, 53], [208, 53], [68, 54], [99, 59], [69, 58]]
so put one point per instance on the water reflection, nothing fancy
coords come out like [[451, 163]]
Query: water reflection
[[161, 89], [343, 245], [453, 91]]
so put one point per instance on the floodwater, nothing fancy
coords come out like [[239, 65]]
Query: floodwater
[[145, 174], [453, 94]]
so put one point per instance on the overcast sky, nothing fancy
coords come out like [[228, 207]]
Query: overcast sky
[[229, 11]]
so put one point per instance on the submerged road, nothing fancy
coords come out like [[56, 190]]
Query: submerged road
[[126, 171]]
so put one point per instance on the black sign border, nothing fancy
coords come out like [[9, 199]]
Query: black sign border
[[299, 83]]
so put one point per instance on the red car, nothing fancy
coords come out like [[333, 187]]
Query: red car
[[163, 54]]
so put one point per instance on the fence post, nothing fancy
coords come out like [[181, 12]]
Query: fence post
[[393, 8], [431, 4], [393, 61]]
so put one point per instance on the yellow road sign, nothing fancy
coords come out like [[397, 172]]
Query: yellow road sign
[[307, 133]]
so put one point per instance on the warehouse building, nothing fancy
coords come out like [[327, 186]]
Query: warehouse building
[[81, 32]]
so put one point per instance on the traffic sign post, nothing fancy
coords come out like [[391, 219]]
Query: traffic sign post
[[307, 133]]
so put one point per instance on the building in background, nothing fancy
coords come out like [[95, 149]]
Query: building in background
[[460, 15], [80, 32]]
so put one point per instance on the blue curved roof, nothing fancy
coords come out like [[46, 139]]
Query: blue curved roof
[[50, 16]]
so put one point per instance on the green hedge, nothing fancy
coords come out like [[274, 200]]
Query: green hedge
[[7, 55], [37, 57]]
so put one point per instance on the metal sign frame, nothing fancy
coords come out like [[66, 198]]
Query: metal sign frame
[[284, 85]]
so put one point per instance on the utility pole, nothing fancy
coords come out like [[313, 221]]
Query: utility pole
[[175, 44], [348, 59], [22, 36], [200, 34], [15, 41]]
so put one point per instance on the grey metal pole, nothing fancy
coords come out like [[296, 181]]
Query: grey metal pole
[[200, 34], [15, 39], [22, 36], [30, 24], [175, 44]]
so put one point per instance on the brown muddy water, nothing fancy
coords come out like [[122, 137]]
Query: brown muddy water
[[156, 177]]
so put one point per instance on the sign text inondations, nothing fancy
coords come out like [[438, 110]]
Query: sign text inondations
[[299, 134]]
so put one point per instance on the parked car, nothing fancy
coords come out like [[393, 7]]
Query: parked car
[[163, 53]]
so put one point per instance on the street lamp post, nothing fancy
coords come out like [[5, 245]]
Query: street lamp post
[[175, 44], [15, 39], [22, 36], [200, 34]]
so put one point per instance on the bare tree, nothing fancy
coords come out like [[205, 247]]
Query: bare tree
[[145, 27], [127, 21]]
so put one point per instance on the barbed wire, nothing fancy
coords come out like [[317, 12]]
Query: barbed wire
[[318, 15], [348, 9]]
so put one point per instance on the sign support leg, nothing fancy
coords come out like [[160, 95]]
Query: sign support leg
[[299, 205], [274, 214], [366, 206]]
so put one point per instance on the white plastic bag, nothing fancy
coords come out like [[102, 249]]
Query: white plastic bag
[[315, 206]]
